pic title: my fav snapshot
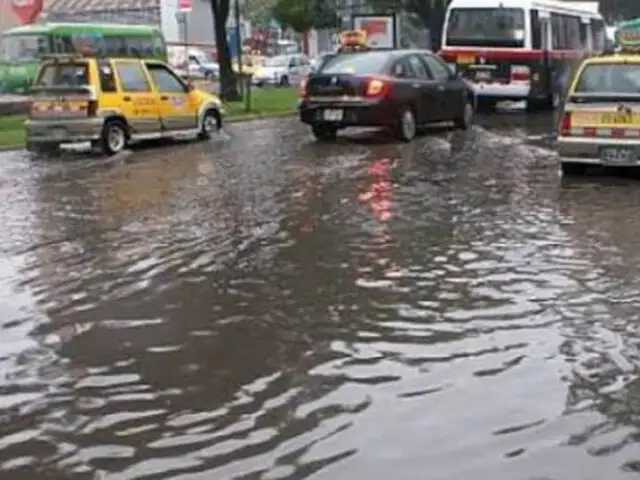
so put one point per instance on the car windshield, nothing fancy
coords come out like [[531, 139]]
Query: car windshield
[[618, 78], [361, 63], [279, 61], [63, 75], [486, 27], [23, 48]]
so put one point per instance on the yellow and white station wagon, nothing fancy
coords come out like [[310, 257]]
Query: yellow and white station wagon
[[114, 102]]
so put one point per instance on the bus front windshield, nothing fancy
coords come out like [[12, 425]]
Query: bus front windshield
[[486, 27], [22, 48]]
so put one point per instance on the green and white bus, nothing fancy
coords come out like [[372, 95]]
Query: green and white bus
[[21, 48]]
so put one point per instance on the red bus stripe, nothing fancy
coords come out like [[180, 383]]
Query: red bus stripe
[[509, 54]]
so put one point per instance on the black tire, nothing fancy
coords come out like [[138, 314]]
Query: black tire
[[211, 123], [486, 105], [573, 168], [324, 133], [111, 130], [284, 81], [463, 122], [406, 127]]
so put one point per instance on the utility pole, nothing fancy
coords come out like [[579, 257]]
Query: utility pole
[[236, 7]]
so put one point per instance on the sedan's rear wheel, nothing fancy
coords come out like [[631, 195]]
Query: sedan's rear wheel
[[406, 129], [324, 133]]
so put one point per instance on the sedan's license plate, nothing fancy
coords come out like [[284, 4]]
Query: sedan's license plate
[[333, 115], [618, 156], [483, 75]]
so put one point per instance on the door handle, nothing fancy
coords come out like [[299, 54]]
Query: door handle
[[164, 98], [441, 88], [126, 99]]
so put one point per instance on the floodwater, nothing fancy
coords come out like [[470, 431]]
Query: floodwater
[[265, 307]]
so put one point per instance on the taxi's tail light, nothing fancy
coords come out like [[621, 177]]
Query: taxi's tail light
[[520, 73], [377, 87], [564, 128], [92, 108]]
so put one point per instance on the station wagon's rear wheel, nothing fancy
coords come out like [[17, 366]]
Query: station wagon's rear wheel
[[406, 129], [211, 123], [114, 137]]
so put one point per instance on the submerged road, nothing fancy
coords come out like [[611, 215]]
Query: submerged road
[[266, 307]]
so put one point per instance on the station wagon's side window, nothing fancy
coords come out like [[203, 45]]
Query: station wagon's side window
[[439, 70], [107, 77], [165, 80], [132, 77]]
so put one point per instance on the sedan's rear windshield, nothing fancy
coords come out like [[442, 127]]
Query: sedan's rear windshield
[[610, 78], [63, 75], [361, 63]]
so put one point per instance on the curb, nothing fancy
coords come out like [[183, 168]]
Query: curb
[[249, 117]]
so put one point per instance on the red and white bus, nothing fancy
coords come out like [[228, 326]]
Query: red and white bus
[[520, 49]]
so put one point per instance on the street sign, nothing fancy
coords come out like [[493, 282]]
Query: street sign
[[185, 6], [27, 10]]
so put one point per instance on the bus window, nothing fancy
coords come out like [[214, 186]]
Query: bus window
[[488, 27], [23, 48], [536, 30], [584, 35], [598, 34]]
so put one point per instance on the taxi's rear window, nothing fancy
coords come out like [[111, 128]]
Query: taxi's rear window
[[360, 63], [63, 75], [623, 78]]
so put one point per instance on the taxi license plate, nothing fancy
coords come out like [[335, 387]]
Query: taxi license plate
[[618, 156], [466, 59], [333, 115]]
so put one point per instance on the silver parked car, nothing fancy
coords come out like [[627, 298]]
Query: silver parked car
[[282, 70]]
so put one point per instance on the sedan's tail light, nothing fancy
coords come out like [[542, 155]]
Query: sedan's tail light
[[564, 128], [377, 87], [303, 88]]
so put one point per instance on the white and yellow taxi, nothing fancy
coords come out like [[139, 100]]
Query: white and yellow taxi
[[600, 121]]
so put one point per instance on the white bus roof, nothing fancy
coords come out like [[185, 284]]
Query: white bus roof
[[582, 8]]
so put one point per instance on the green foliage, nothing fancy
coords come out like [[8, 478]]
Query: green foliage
[[303, 15]]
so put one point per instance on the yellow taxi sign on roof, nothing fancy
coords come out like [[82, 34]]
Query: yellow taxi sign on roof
[[353, 40]]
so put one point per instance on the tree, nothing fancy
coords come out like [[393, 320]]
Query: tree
[[303, 15], [228, 81]]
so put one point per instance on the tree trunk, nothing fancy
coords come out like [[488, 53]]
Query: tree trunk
[[305, 42], [228, 82]]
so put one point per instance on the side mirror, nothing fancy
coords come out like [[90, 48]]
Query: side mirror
[[190, 87]]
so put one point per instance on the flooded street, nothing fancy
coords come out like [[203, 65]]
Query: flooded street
[[267, 307]]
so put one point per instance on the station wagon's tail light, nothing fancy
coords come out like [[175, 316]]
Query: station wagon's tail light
[[564, 128], [92, 108], [377, 87], [520, 73]]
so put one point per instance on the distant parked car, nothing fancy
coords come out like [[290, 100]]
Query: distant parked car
[[282, 70]]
